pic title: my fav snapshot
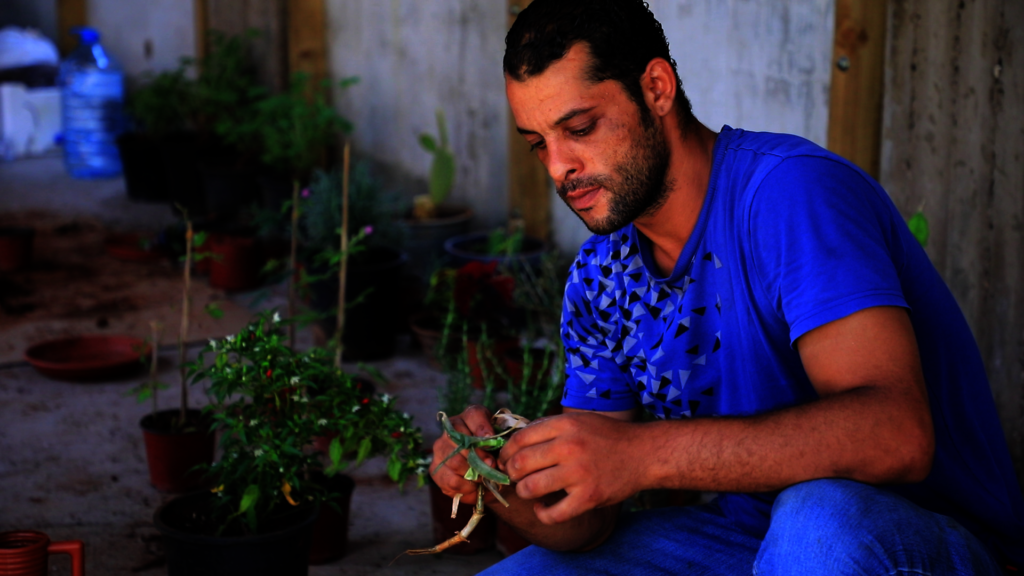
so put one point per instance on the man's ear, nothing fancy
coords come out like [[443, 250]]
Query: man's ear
[[659, 86]]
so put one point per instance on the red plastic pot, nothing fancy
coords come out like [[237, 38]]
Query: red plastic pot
[[236, 263], [88, 358], [173, 454], [26, 553], [15, 248], [330, 530], [507, 540], [445, 526]]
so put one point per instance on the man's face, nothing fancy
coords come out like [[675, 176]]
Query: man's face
[[608, 157]]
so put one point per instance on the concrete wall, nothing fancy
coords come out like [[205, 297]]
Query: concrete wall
[[38, 14], [166, 26], [953, 144], [758, 64], [413, 57]]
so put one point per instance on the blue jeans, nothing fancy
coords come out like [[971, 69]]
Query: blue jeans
[[827, 527]]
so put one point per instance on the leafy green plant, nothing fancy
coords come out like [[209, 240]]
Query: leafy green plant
[[165, 102], [147, 390], [227, 89], [442, 171], [369, 205], [270, 402]]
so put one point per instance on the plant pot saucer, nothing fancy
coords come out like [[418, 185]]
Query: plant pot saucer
[[88, 358]]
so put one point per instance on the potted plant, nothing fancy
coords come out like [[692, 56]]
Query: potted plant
[[432, 219], [177, 440], [269, 402], [374, 292], [508, 247]]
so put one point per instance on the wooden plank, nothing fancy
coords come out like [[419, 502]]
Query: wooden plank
[[954, 126], [855, 103], [268, 17], [307, 38], [529, 185], [201, 25], [70, 13]]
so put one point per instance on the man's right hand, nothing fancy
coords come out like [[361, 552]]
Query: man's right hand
[[474, 421]]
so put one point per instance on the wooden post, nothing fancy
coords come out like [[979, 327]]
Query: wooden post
[[528, 184], [70, 13], [307, 39], [201, 25], [858, 67]]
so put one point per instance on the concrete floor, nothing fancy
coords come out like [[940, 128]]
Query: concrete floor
[[72, 459]]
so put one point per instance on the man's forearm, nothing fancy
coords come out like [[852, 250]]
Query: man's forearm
[[581, 533], [863, 434]]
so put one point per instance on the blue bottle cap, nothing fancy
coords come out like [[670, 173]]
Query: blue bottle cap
[[85, 34]]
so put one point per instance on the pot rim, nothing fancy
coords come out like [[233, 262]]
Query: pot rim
[[224, 541], [31, 358], [157, 432], [463, 213], [451, 245]]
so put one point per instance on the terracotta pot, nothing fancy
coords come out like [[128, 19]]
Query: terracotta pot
[[445, 526], [15, 248], [26, 553], [330, 530], [507, 540], [283, 550], [236, 263], [173, 454]]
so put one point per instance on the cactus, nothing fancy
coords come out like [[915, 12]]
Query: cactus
[[442, 170]]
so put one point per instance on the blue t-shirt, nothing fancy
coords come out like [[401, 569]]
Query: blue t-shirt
[[790, 237]]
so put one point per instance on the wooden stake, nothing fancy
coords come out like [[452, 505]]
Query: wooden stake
[[186, 304], [339, 331], [293, 264], [155, 343]]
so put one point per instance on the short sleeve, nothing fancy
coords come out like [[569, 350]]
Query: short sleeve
[[594, 381], [823, 243]]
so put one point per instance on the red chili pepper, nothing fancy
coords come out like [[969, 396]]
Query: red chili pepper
[[270, 373], [365, 401], [396, 434], [252, 335]]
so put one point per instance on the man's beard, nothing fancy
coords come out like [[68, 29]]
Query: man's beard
[[639, 187]]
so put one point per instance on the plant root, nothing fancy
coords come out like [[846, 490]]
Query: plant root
[[462, 535]]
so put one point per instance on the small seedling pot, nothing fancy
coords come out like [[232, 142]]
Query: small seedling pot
[[173, 453], [329, 540], [16, 248], [27, 552], [236, 262], [192, 550]]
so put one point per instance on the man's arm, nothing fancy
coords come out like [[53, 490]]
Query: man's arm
[[582, 532], [872, 423]]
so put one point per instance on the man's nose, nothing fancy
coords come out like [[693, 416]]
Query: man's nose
[[562, 163]]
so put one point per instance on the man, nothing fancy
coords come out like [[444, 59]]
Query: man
[[763, 299]]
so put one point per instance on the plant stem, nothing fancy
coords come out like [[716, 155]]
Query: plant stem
[[293, 263], [343, 269], [155, 342], [186, 304]]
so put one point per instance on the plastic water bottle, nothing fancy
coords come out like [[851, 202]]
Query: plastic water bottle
[[92, 90]]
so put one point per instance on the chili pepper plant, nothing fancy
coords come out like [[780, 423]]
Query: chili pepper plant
[[270, 401]]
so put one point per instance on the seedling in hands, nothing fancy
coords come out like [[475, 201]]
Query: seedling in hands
[[479, 471]]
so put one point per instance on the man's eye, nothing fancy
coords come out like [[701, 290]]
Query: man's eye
[[536, 145], [583, 131]]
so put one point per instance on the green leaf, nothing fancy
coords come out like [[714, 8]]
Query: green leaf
[[428, 143], [252, 493], [335, 450], [214, 310], [475, 463], [471, 475], [442, 175], [918, 225], [364, 450], [199, 238], [395, 467]]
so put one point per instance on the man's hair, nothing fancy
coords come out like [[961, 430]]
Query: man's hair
[[622, 37]]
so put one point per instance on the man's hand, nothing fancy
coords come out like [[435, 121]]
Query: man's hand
[[593, 457], [474, 421]]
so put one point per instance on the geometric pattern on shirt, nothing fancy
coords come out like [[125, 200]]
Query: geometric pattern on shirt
[[665, 338]]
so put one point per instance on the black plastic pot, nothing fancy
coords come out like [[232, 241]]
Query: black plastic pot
[[283, 552], [426, 238], [180, 154], [371, 326], [462, 250], [144, 176], [227, 189]]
